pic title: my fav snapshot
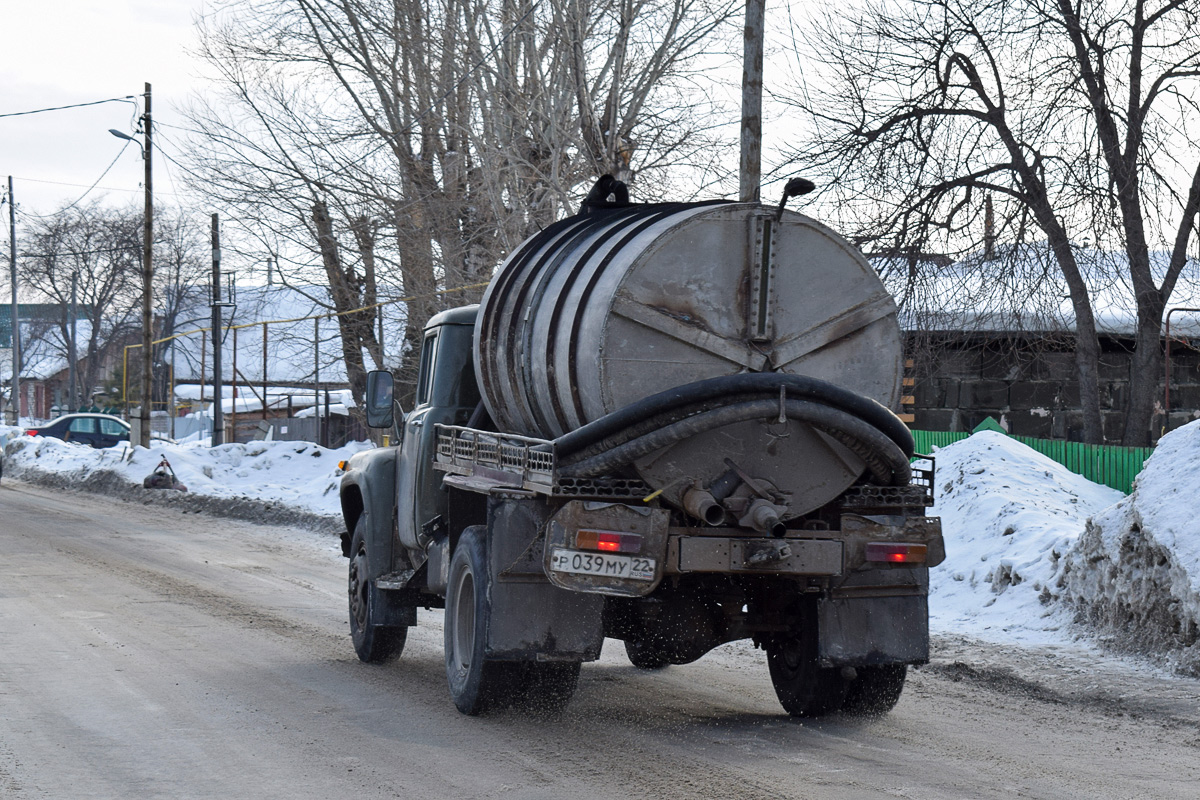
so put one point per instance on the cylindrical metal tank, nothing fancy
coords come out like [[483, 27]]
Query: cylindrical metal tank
[[599, 311]]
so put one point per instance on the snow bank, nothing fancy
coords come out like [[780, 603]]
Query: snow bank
[[294, 474], [1135, 571], [1009, 516]]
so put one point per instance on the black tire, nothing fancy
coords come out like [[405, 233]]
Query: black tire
[[803, 686], [477, 685], [372, 642], [645, 655], [875, 691]]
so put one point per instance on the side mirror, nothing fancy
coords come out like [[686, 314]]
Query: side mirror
[[380, 386]]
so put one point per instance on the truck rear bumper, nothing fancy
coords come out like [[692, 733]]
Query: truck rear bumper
[[786, 556]]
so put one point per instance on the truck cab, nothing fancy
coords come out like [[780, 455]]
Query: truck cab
[[446, 394]]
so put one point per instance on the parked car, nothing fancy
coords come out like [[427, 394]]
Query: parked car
[[95, 430]]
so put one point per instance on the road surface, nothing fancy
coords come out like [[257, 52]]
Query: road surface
[[151, 653]]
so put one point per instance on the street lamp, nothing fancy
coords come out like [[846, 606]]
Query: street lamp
[[147, 274]]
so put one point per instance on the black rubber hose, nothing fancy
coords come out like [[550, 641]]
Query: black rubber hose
[[797, 386], [652, 423], [887, 462], [662, 420]]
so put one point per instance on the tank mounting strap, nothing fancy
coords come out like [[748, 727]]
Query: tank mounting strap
[[830, 330], [655, 319]]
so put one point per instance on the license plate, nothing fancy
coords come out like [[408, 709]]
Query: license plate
[[603, 565]]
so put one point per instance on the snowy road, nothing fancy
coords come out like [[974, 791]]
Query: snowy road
[[150, 653]]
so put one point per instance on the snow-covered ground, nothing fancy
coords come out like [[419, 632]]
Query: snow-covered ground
[[299, 475], [1034, 552]]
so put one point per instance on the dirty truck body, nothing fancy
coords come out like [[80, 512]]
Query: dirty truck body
[[664, 424]]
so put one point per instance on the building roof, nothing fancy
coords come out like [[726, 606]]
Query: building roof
[[1021, 290], [292, 353]]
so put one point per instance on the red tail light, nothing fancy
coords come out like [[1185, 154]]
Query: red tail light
[[896, 552], [32, 432], [609, 541]]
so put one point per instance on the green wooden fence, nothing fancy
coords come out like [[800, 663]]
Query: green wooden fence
[[1105, 464]]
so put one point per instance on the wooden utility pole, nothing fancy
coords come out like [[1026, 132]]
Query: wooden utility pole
[[218, 434], [14, 394], [750, 175], [147, 288]]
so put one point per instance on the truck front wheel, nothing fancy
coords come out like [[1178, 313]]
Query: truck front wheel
[[476, 684], [372, 642]]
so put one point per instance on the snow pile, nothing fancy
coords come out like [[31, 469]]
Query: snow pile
[[297, 475], [1009, 516], [1135, 572]]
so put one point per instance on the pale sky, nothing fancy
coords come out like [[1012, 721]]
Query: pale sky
[[63, 52]]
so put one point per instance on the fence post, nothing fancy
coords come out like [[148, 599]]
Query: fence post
[[203, 353], [233, 375], [124, 387], [171, 393]]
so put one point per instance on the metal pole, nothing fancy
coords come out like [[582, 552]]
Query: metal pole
[[15, 383], [147, 288], [752, 71], [71, 351], [125, 379], [203, 364], [382, 351], [233, 379], [264, 371], [171, 391], [317, 378], [218, 435]]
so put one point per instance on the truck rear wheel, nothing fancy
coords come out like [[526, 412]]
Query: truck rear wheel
[[476, 684], [372, 642], [645, 654], [875, 691], [803, 686]]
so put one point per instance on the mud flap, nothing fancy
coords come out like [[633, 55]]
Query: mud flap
[[540, 622], [861, 631], [387, 611], [533, 620]]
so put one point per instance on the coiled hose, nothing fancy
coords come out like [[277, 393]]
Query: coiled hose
[[867, 428]]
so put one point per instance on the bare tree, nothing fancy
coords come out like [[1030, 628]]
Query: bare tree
[[182, 271], [416, 143], [1072, 116], [101, 247]]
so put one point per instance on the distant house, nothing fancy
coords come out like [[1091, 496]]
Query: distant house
[[294, 355], [996, 338], [44, 367], [282, 374]]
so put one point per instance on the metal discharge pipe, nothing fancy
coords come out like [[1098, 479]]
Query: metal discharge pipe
[[703, 506]]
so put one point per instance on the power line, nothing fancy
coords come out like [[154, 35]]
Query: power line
[[89, 189], [85, 186], [136, 249], [76, 105]]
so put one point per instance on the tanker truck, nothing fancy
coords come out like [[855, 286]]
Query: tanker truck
[[665, 424]]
